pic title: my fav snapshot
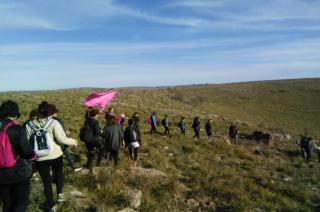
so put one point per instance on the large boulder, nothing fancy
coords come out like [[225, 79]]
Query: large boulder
[[132, 196]]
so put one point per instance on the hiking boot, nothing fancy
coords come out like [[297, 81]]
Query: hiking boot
[[77, 169], [60, 198]]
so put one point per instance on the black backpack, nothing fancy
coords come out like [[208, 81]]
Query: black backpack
[[163, 122], [86, 134], [133, 135]]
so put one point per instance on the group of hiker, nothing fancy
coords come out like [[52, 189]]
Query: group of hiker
[[40, 143], [196, 126]]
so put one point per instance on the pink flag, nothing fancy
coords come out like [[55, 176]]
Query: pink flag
[[100, 99]]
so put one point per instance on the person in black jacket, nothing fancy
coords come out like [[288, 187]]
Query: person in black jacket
[[208, 127], [96, 141], [113, 135], [136, 119], [233, 134], [131, 140], [196, 127], [15, 181]]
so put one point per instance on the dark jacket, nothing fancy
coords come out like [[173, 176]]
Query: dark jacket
[[113, 135], [20, 144], [137, 128], [93, 124], [196, 124], [233, 131], [127, 135], [208, 127]]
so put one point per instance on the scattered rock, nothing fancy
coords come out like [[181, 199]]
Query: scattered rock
[[79, 201], [217, 158], [149, 172], [166, 148], [287, 179], [170, 154], [192, 203], [182, 188], [133, 197], [276, 137], [288, 137], [127, 210]]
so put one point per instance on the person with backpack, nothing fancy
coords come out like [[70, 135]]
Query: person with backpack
[[233, 133], [65, 148], [165, 124], [136, 119], [182, 126], [306, 144], [91, 135], [45, 133], [131, 140], [15, 151], [113, 135], [153, 122], [196, 127], [208, 127], [121, 119], [300, 144]]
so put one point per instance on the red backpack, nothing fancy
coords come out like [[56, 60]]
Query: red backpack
[[7, 158]]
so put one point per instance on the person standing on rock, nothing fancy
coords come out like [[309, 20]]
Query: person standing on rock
[[131, 140], [43, 133], [92, 138], [113, 135], [182, 126], [233, 134], [153, 122], [14, 177], [208, 127], [165, 123], [196, 127]]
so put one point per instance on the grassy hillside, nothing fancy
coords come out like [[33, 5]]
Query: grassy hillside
[[201, 175]]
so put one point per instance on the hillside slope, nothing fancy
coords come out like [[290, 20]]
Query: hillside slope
[[199, 175]]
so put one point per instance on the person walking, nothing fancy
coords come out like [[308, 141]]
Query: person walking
[[165, 123], [233, 134], [113, 135], [43, 133], [182, 125], [15, 174], [208, 127], [196, 127], [153, 122], [131, 140], [92, 137]]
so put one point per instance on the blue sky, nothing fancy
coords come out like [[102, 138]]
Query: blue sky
[[104, 43]]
